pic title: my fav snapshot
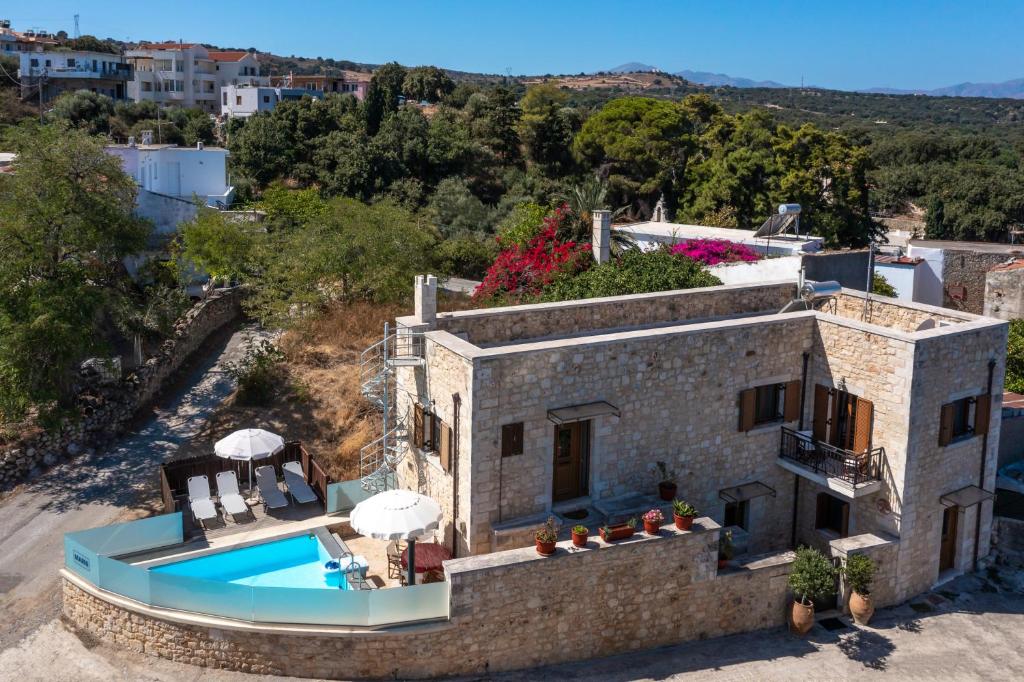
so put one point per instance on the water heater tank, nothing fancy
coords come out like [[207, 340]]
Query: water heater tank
[[813, 291], [789, 209]]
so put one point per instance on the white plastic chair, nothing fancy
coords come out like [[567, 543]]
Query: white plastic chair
[[199, 500], [266, 481], [227, 490]]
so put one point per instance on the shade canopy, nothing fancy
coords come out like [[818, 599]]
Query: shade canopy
[[396, 515], [249, 444]]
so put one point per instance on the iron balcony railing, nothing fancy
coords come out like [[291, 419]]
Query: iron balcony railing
[[831, 461]]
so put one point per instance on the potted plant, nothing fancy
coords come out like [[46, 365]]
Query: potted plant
[[859, 572], [619, 531], [579, 535], [667, 487], [725, 549], [547, 536], [652, 521], [683, 514], [812, 577]]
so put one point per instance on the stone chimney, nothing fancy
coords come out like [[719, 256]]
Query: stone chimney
[[426, 299], [601, 237]]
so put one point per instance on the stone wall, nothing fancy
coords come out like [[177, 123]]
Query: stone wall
[[509, 610], [105, 410], [1004, 291], [966, 268], [498, 325], [888, 312], [677, 392]]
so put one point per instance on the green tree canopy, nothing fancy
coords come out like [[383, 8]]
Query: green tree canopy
[[427, 83], [634, 272], [66, 222]]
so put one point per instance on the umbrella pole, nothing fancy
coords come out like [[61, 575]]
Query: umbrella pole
[[412, 562]]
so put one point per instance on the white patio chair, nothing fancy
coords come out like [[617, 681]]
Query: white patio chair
[[199, 500], [296, 484], [227, 490], [266, 481]]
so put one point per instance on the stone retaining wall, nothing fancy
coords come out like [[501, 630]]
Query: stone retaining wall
[[509, 610], [105, 410]]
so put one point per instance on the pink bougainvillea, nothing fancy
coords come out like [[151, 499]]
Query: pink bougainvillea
[[714, 251], [523, 271]]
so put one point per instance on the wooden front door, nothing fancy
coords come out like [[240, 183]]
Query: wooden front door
[[947, 547], [572, 453]]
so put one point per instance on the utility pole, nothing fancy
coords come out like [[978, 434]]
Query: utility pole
[[42, 79]]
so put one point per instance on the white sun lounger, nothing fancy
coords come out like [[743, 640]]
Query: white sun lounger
[[296, 483], [199, 500], [266, 480], [227, 490]]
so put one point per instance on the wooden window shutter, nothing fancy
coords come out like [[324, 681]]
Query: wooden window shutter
[[819, 427], [821, 510], [512, 439], [445, 450], [417, 426], [862, 425], [982, 413], [748, 408], [946, 424], [791, 409], [435, 433]]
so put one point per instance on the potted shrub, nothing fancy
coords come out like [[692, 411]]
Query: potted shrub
[[652, 521], [547, 536], [812, 577], [725, 549], [683, 514], [579, 535], [859, 572], [619, 531], [667, 487]]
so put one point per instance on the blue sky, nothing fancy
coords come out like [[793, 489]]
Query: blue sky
[[841, 44]]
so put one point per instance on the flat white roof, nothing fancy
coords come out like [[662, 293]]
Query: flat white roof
[[679, 231]]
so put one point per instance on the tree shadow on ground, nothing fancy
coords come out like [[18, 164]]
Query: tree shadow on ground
[[870, 649]]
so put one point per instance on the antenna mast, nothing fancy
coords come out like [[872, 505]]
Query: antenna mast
[[78, 34]]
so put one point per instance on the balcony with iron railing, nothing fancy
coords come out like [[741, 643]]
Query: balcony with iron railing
[[846, 472]]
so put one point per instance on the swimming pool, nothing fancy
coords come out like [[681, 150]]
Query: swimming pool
[[292, 562]]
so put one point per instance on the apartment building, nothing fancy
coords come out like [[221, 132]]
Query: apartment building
[[12, 41], [354, 83], [842, 420], [242, 101], [70, 71], [188, 74]]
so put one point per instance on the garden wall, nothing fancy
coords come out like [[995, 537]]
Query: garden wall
[[509, 610], [105, 410]]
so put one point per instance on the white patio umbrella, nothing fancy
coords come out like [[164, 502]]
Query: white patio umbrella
[[249, 444], [397, 515]]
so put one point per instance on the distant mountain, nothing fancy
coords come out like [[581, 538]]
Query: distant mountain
[[633, 67], [721, 79], [1011, 89]]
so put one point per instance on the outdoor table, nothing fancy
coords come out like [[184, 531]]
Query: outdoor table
[[429, 556]]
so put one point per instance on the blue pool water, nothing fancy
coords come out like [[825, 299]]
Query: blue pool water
[[293, 562]]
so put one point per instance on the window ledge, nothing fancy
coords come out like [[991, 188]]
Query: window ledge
[[960, 443], [828, 534], [767, 426]]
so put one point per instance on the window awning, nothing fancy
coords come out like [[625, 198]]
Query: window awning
[[577, 413], [746, 491], [966, 497]]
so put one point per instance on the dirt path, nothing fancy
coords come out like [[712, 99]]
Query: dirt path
[[115, 484]]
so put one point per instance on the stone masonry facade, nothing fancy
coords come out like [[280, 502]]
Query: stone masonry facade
[[509, 610], [673, 369]]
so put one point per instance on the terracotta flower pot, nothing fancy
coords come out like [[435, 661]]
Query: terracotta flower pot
[[861, 608], [651, 527], [579, 539], [667, 490], [802, 619], [545, 548], [620, 532], [683, 522]]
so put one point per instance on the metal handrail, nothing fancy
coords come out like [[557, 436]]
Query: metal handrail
[[831, 461]]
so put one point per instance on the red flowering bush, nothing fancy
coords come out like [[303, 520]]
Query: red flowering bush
[[522, 272], [714, 251]]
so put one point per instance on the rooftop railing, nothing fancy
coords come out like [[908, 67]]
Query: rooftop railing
[[831, 461]]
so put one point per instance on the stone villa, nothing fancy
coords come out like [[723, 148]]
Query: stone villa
[[842, 426]]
